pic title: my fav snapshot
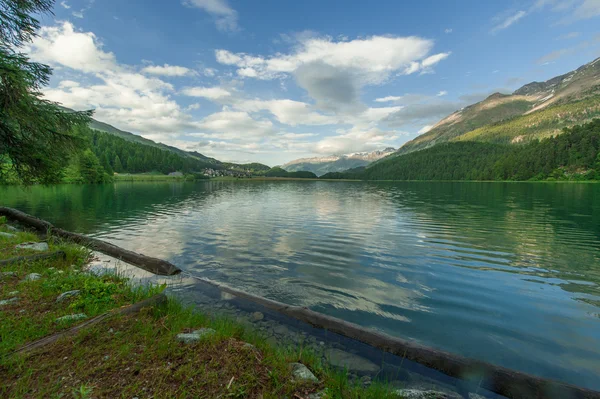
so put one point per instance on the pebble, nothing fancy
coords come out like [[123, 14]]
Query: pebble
[[301, 373], [418, 394], [366, 381], [67, 295], [195, 336], [72, 317], [32, 277], [13, 293], [257, 316], [8, 301], [34, 246], [352, 362]]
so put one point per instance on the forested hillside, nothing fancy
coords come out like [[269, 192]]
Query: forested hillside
[[535, 111], [573, 155]]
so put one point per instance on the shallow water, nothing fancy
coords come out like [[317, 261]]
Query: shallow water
[[507, 273]]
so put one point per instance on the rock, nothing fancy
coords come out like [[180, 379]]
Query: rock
[[13, 293], [7, 274], [100, 269], [11, 228], [344, 360], [8, 301], [418, 394], [67, 295], [248, 346], [6, 235], [195, 336], [301, 373], [257, 316], [365, 381], [281, 330], [71, 317], [32, 277], [317, 395], [34, 246]]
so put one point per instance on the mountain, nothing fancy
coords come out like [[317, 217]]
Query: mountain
[[536, 110], [134, 138], [336, 163], [573, 155]]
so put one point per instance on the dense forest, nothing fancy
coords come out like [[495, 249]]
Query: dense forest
[[573, 155], [102, 154], [279, 172]]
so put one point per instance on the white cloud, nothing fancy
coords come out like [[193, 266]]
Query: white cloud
[[61, 45], [333, 72], [508, 21], [65, 5], [192, 107], [374, 57], [388, 99], [210, 72], [587, 9], [77, 14], [118, 93], [442, 93], [448, 30], [425, 129], [235, 125], [211, 93], [570, 35], [226, 18], [357, 140], [167, 70], [288, 112]]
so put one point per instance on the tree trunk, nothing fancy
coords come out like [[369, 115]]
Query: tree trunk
[[153, 265]]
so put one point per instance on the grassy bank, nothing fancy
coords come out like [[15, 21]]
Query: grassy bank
[[137, 355], [150, 177]]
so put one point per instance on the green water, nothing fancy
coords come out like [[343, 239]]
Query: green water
[[505, 272]]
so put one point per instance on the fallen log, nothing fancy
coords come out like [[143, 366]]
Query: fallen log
[[127, 310], [33, 258], [153, 265], [506, 382]]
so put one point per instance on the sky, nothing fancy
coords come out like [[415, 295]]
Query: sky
[[275, 80]]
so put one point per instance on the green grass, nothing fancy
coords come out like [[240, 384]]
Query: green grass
[[150, 177], [139, 355]]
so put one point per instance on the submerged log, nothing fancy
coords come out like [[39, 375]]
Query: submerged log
[[33, 258], [127, 310], [153, 265], [506, 382]]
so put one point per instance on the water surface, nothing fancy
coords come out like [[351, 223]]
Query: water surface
[[504, 272]]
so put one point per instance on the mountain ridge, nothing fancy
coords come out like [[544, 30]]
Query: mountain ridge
[[564, 93], [336, 163]]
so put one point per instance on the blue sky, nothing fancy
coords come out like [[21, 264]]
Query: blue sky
[[271, 81]]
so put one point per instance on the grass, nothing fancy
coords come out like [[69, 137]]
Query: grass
[[150, 177], [138, 355]]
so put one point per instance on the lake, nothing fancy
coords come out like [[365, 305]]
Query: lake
[[508, 273]]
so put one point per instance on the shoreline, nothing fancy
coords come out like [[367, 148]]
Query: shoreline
[[504, 381]]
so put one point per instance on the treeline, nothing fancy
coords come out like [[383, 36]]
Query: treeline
[[118, 155], [254, 168], [279, 172], [573, 155], [102, 154]]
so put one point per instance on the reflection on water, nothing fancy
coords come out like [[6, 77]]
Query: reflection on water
[[507, 273]]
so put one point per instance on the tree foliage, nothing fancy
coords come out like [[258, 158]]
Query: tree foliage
[[573, 155], [279, 172], [35, 134]]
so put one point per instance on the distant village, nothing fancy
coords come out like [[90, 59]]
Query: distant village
[[227, 172]]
